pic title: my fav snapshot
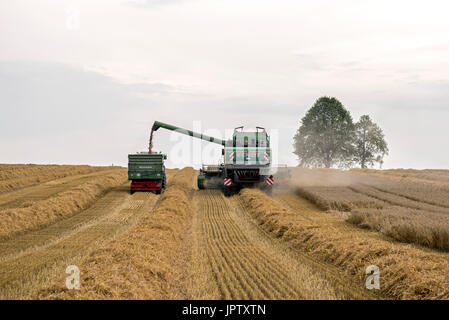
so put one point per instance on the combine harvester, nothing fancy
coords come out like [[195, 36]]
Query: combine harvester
[[247, 160]]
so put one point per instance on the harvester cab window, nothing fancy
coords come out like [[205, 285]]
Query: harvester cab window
[[253, 143]]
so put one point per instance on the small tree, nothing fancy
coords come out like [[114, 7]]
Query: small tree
[[325, 136], [369, 143]]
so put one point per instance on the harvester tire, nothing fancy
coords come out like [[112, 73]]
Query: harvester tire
[[227, 192]]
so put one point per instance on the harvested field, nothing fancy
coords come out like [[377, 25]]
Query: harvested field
[[207, 249], [36, 214], [338, 198], [402, 278], [34, 260], [248, 263], [433, 190], [407, 205], [390, 199], [13, 177], [426, 228], [243, 268], [427, 175], [139, 264], [312, 240]]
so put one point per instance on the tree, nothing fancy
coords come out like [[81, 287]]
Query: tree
[[369, 143], [325, 136]]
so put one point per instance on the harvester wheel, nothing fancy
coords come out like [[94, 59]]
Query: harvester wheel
[[230, 191], [227, 191]]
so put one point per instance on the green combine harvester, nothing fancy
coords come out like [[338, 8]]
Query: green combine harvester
[[247, 160]]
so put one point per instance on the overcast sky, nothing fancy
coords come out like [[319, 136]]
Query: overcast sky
[[82, 81]]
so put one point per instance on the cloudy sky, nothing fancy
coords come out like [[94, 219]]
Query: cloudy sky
[[82, 81]]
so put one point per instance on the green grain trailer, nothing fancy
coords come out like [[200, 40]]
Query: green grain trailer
[[147, 172]]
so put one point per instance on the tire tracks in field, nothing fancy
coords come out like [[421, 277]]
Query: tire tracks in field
[[388, 197], [246, 263], [29, 261]]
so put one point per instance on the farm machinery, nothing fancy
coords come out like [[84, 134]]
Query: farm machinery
[[246, 160], [146, 170]]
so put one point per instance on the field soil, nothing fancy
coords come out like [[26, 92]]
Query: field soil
[[312, 239]]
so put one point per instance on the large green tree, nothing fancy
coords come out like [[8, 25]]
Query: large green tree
[[369, 142], [325, 136]]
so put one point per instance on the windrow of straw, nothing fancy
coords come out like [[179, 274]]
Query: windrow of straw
[[43, 212], [423, 187], [12, 171], [13, 177], [338, 198], [406, 272], [148, 261], [425, 228], [410, 206], [432, 189]]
